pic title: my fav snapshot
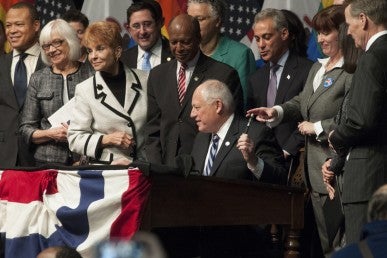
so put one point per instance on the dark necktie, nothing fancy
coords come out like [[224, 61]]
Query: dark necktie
[[212, 155], [20, 79], [272, 88], [181, 83], [146, 66]]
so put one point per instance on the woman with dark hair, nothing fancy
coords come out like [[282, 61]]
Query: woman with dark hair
[[49, 89], [108, 122], [297, 33], [316, 107]]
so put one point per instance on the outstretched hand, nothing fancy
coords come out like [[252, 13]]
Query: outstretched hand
[[263, 114]]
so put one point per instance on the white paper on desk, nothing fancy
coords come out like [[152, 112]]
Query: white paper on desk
[[62, 115]]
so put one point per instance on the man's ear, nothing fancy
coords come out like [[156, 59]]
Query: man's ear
[[284, 34], [218, 22], [36, 25], [162, 22], [219, 106], [363, 20]]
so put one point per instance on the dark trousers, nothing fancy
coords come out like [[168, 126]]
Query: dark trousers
[[355, 216]]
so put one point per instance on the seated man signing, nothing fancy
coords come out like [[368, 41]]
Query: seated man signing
[[226, 146]]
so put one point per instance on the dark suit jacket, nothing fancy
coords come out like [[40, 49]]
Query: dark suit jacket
[[229, 162], [365, 127], [129, 56], [169, 127], [292, 82], [13, 149]]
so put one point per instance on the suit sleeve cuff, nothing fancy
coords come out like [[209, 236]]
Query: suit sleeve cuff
[[257, 169], [318, 129], [277, 120]]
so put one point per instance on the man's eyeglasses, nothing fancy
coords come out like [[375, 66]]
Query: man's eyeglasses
[[146, 25], [55, 43]]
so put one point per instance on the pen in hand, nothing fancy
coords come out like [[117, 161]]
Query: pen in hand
[[248, 123]]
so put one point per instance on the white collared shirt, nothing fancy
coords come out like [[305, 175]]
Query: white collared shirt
[[318, 129], [155, 58], [30, 61], [189, 70], [222, 132], [374, 38]]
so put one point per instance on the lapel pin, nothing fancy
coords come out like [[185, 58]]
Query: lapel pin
[[328, 82], [196, 78], [227, 144], [288, 77], [169, 59]]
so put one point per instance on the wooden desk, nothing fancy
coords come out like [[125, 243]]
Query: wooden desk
[[200, 201]]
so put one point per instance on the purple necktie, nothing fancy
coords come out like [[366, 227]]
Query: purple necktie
[[272, 89]]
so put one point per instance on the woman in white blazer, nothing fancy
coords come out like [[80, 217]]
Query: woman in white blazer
[[110, 107]]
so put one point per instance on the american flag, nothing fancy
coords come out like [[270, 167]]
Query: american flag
[[240, 18], [238, 22], [52, 9]]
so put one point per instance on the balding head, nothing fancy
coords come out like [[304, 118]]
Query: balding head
[[212, 105], [186, 21], [184, 37]]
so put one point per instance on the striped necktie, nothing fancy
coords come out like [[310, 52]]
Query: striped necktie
[[212, 154], [181, 83]]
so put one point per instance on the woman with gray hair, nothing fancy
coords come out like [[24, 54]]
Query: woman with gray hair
[[49, 89]]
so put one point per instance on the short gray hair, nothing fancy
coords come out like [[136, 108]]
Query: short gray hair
[[377, 206], [214, 89], [278, 17], [64, 30], [218, 7], [376, 10]]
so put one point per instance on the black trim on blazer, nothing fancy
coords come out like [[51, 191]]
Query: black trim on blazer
[[102, 95], [86, 144], [134, 87]]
